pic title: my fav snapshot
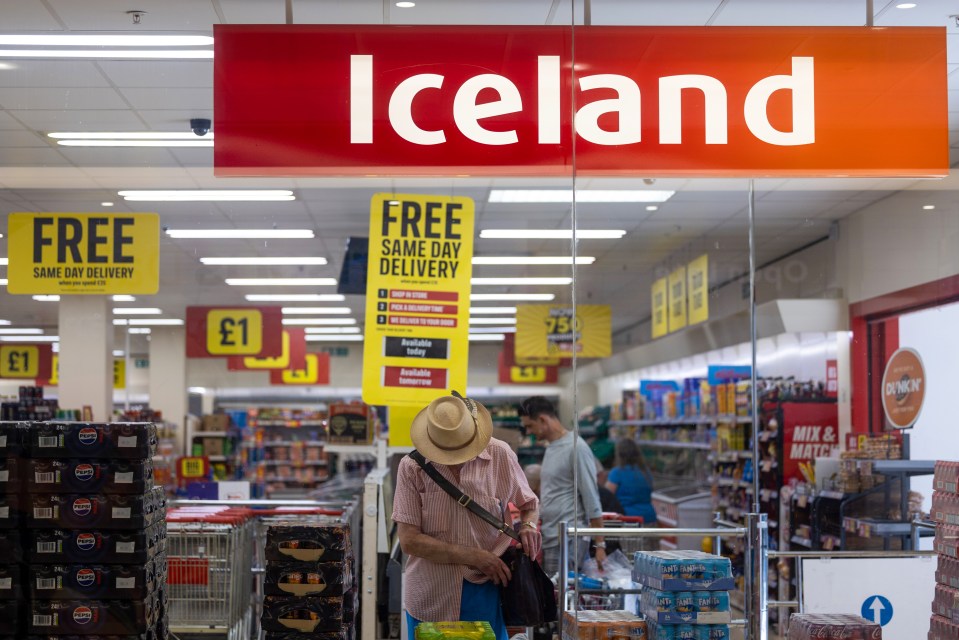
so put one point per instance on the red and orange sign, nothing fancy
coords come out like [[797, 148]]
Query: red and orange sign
[[315, 371], [903, 388], [219, 332], [651, 101], [293, 356]]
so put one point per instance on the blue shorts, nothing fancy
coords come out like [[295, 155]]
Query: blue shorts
[[480, 602]]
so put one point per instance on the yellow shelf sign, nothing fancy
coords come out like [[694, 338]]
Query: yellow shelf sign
[[660, 313], [234, 332], [119, 373], [544, 330], [697, 289], [19, 361], [84, 253], [677, 299]]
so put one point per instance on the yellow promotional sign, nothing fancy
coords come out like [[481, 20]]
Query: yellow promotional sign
[[660, 314], [119, 373], [84, 253], [417, 298], [677, 299], [234, 332], [280, 362], [535, 361], [550, 330], [19, 361], [310, 374], [697, 289], [527, 375], [399, 420], [54, 371]]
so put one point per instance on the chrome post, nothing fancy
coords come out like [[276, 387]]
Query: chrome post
[[561, 572]]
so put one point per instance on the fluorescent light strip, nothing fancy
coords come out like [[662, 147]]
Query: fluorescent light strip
[[322, 338], [29, 338], [512, 297], [532, 260], [44, 40], [279, 261], [209, 195], [135, 331], [295, 297], [3, 282], [5, 322], [319, 310], [137, 311], [487, 337], [560, 196], [337, 330], [21, 332], [47, 298], [552, 234], [147, 322], [521, 281], [249, 234], [127, 135], [281, 282], [4, 261], [154, 54], [136, 143], [318, 321], [117, 353], [492, 321], [124, 298], [509, 329], [481, 310]]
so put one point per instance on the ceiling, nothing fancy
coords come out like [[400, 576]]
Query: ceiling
[[38, 96]]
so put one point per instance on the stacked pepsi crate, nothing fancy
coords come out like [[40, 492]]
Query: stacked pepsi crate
[[12, 570], [812, 626], [944, 624], [309, 582], [685, 594], [95, 531]]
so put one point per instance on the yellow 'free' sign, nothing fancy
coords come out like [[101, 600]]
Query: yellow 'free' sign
[[697, 289], [677, 299], [660, 319], [234, 332], [549, 330], [84, 253]]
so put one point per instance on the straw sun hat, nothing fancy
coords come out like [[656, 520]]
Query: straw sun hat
[[452, 430]]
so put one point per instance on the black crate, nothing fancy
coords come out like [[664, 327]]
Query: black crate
[[128, 477], [126, 440]]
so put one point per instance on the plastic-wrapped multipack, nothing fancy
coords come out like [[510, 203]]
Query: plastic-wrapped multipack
[[454, 631], [832, 625], [308, 542], [604, 625]]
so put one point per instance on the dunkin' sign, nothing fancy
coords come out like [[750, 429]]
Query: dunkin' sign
[[903, 388], [485, 100]]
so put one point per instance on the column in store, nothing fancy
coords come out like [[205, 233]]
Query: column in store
[[86, 354], [168, 387]]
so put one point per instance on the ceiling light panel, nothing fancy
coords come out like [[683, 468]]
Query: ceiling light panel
[[295, 297], [24, 338], [124, 298], [209, 195], [281, 282], [503, 321], [305, 322], [111, 54], [512, 297], [552, 234], [333, 338], [338, 330], [520, 281], [20, 332], [47, 298], [263, 262], [245, 234], [105, 40], [137, 143], [137, 311], [318, 310], [487, 337], [531, 260], [560, 196], [491, 310], [127, 135]]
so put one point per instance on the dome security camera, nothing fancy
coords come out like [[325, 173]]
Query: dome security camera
[[200, 126]]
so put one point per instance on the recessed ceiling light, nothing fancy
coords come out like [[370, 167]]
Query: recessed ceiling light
[[552, 234], [23, 338], [45, 40], [124, 298], [3, 282], [106, 204], [487, 337], [131, 54], [154, 322], [560, 196], [652, 207], [278, 261], [320, 310], [251, 234], [295, 297], [281, 282], [137, 311], [492, 321], [139, 331], [405, 4], [512, 297], [21, 332], [339, 330], [118, 353], [482, 310], [47, 298], [5, 322], [506, 329], [4, 262], [520, 281], [305, 322], [532, 260], [906, 5], [333, 338], [928, 207], [6, 66], [209, 195]]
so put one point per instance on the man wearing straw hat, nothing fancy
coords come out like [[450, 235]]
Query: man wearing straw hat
[[454, 566]]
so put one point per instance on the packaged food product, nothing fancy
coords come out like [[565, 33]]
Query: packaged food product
[[604, 625], [320, 542], [93, 546], [942, 629], [946, 602], [682, 570], [11, 549], [93, 617], [947, 540], [10, 474], [946, 476], [947, 571], [90, 476], [96, 511], [307, 578], [454, 631], [95, 582], [11, 581], [303, 614], [12, 618], [10, 510], [128, 440], [350, 423], [832, 625], [13, 435]]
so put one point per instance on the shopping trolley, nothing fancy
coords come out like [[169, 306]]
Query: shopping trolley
[[210, 577]]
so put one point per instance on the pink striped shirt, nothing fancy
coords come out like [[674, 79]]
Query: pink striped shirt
[[432, 591]]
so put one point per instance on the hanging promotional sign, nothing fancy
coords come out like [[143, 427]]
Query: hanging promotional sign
[[218, 332], [832, 379], [417, 298], [412, 100], [903, 388], [677, 299], [553, 330], [293, 355], [399, 420], [810, 431], [660, 313], [512, 373], [697, 289], [509, 344], [119, 373], [723, 373], [26, 361], [315, 371], [83, 253]]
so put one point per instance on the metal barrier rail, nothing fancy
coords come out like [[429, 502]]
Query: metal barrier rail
[[318, 504], [756, 535]]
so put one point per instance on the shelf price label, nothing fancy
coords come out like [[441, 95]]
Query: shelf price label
[[316, 371], [550, 330], [219, 332], [25, 361]]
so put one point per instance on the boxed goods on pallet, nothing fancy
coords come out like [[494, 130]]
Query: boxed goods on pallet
[[97, 582], [94, 617], [454, 631], [946, 602], [303, 614], [10, 510], [946, 476], [11, 581], [688, 631], [10, 474], [11, 545], [603, 625], [96, 510], [288, 541], [947, 571], [116, 477], [103, 547], [943, 629], [65, 440], [832, 625], [685, 607], [682, 571], [307, 579]]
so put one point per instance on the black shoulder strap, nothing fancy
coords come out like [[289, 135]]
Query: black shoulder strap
[[461, 498]]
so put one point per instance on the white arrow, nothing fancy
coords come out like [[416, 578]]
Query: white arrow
[[877, 609]]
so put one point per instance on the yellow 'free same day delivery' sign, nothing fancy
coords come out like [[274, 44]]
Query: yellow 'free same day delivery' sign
[[417, 298], [697, 289], [660, 304], [83, 253], [551, 330]]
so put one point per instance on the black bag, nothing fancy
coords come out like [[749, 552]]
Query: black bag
[[528, 600]]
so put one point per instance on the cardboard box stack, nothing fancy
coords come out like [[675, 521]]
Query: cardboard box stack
[[832, 625], [95, 531], [308, 586], [945, 512], [685, 594], [603, 625], [12, 436]]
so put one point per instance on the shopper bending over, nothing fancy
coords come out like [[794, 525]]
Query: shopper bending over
[[454, 566], [564, 453], [632, 481]]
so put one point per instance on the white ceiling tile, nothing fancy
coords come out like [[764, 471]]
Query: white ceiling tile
[[28, 157], [51, 73], [67, 98], [655, 12], [259, 12], [153, 73], [22, 139], [202, 157], [159, 15], [7, 122], [79, 120], [118, 157], [28, 15], [174, 119], [196, 99]]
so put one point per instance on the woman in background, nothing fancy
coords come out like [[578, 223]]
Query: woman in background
[[632, 482]]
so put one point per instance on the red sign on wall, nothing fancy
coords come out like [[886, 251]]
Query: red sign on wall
[[292, 357], [654, 101], [315, 371], [810, 430], [832, 378], [220, 332]]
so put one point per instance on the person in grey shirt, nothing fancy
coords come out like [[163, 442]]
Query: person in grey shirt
[[565, 451]]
